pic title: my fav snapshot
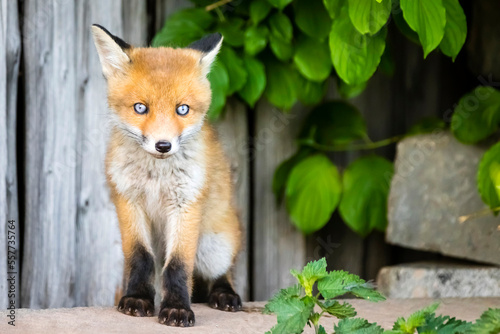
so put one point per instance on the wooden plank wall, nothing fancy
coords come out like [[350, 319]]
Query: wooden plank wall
[[9, 69]]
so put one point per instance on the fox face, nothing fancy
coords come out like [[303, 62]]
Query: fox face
[[159, 96]]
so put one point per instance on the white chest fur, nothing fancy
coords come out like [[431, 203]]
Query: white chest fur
[[159, 186]]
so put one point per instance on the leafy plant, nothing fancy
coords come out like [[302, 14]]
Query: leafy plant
[[295, 308], [287, 50]]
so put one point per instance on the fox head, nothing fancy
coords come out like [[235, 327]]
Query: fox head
[[159, 96]]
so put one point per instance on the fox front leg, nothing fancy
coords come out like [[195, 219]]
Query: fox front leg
[[139, 262], [181, 240]]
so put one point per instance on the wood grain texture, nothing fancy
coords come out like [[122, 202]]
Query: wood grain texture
[[9, 69], [49, 266], [73, 249], [278, 246]]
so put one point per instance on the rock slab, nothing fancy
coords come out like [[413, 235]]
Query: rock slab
[[434, 185], [439, 280]]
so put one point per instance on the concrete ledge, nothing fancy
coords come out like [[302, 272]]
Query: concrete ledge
[[439, 280], [107, 320]]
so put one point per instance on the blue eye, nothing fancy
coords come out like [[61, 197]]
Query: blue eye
[[140, 108], [183, 109]]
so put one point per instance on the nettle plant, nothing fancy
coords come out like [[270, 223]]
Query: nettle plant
[[297, 307], [289, 50]]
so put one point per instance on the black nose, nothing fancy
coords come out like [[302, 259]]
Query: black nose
[[163, 146]]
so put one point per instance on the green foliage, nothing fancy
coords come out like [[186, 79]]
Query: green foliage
[[443, 325], [415, 320], [477, 115], [489, 323], [369, 16], [354, 55], [312, 18], [365, 186], [256, 81], [357, 326], [313, 192], [335, 123], [455, 30], [428, 19], [427, 125], [294, 306], [488, 177]]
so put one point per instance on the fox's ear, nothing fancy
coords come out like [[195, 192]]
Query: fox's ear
[[209, 46], [111, 50]]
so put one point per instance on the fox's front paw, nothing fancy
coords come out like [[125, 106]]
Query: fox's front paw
[[225, 300], [179, 317], [138, 307]]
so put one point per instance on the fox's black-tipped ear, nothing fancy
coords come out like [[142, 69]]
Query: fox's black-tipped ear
[[209, 46], [111, 50]]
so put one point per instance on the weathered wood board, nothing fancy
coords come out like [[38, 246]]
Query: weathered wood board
[[9, 69]]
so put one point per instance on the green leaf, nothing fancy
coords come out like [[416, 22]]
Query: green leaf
[[321, 330], [404, 28], [293, 314], [273, 305], [428, 19], [219, 83], [232, 30], [415, 320], [334, 123], [312, 18], [427, 125], [255, 39], [312, 192], [315, 66], [387, 65], [183, 28], [365, 191], [455, 30], [477, 115], [282, 84], [338, 310], [347, 91], [280, 4], [338, 283], [367, 292], [256, 81], [282, 50], [312, 272], [443, 325], [259, 9], [488, 178], [489, 323], [333, 7], [283, 171], [357, 326], [369, 16], [311, 93], [354, 55], [281, 27], [235, 69]]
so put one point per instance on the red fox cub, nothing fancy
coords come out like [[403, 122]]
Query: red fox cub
[[169, 178]]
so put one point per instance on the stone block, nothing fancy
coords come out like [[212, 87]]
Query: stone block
[[437, 280], [433, 187]]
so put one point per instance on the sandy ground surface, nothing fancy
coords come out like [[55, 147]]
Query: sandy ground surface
[[250, 320]]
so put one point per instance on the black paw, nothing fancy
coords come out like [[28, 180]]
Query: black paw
[[225, 301], [178, 317], [137, 307]]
